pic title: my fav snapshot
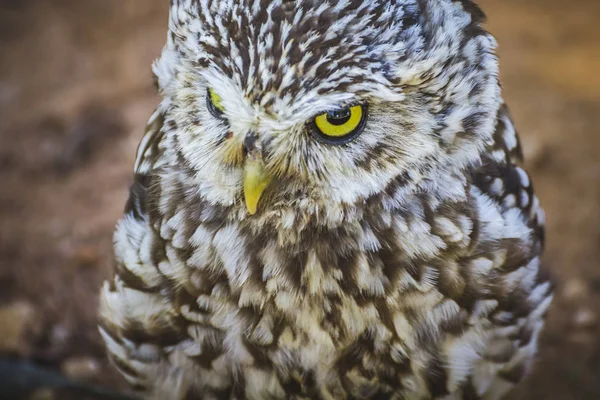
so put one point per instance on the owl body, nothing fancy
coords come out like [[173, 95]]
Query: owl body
[[267, 252]]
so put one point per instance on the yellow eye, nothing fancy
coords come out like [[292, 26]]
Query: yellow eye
[[341, 125], [215, 103]]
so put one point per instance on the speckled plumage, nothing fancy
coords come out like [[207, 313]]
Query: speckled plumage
[[402, 265]]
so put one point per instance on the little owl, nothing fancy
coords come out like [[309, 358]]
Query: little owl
[[327, 204]]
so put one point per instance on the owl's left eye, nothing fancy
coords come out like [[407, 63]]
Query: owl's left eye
[[340, 126], [215, 104]]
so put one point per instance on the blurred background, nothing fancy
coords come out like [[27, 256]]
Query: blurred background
[[76, 91]]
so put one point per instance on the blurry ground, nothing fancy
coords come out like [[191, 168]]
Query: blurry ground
[[75, 92]]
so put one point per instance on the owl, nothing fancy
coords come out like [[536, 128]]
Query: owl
[[328, 203]]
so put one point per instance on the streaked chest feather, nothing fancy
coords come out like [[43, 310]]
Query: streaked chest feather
[[389, 294]]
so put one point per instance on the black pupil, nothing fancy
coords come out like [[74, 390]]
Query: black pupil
[[338, 117]]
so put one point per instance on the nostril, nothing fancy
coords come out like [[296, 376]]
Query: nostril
[[266, 148], [250, 142]]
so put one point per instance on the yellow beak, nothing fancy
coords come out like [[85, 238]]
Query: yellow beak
[[255, 182]]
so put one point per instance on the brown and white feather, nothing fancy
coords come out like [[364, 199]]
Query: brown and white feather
[[405, 265]]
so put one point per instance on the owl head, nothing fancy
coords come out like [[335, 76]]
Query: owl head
[[316, 104]]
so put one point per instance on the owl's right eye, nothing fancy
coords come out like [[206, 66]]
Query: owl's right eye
[[215, 104], [340, 126]]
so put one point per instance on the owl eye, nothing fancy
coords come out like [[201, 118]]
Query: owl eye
[[340, 126], [215, 104]]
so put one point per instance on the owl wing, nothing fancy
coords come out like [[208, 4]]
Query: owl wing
[[138, 319], [502, 178], [516, 318]]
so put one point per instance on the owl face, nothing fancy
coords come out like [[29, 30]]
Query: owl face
[[306, 104]]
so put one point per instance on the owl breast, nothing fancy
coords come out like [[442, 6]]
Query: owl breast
[[381, 300]]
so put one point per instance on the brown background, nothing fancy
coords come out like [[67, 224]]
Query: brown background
[[75, 92]]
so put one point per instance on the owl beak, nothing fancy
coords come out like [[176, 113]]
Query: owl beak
[[255, 182], [256, 178]]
